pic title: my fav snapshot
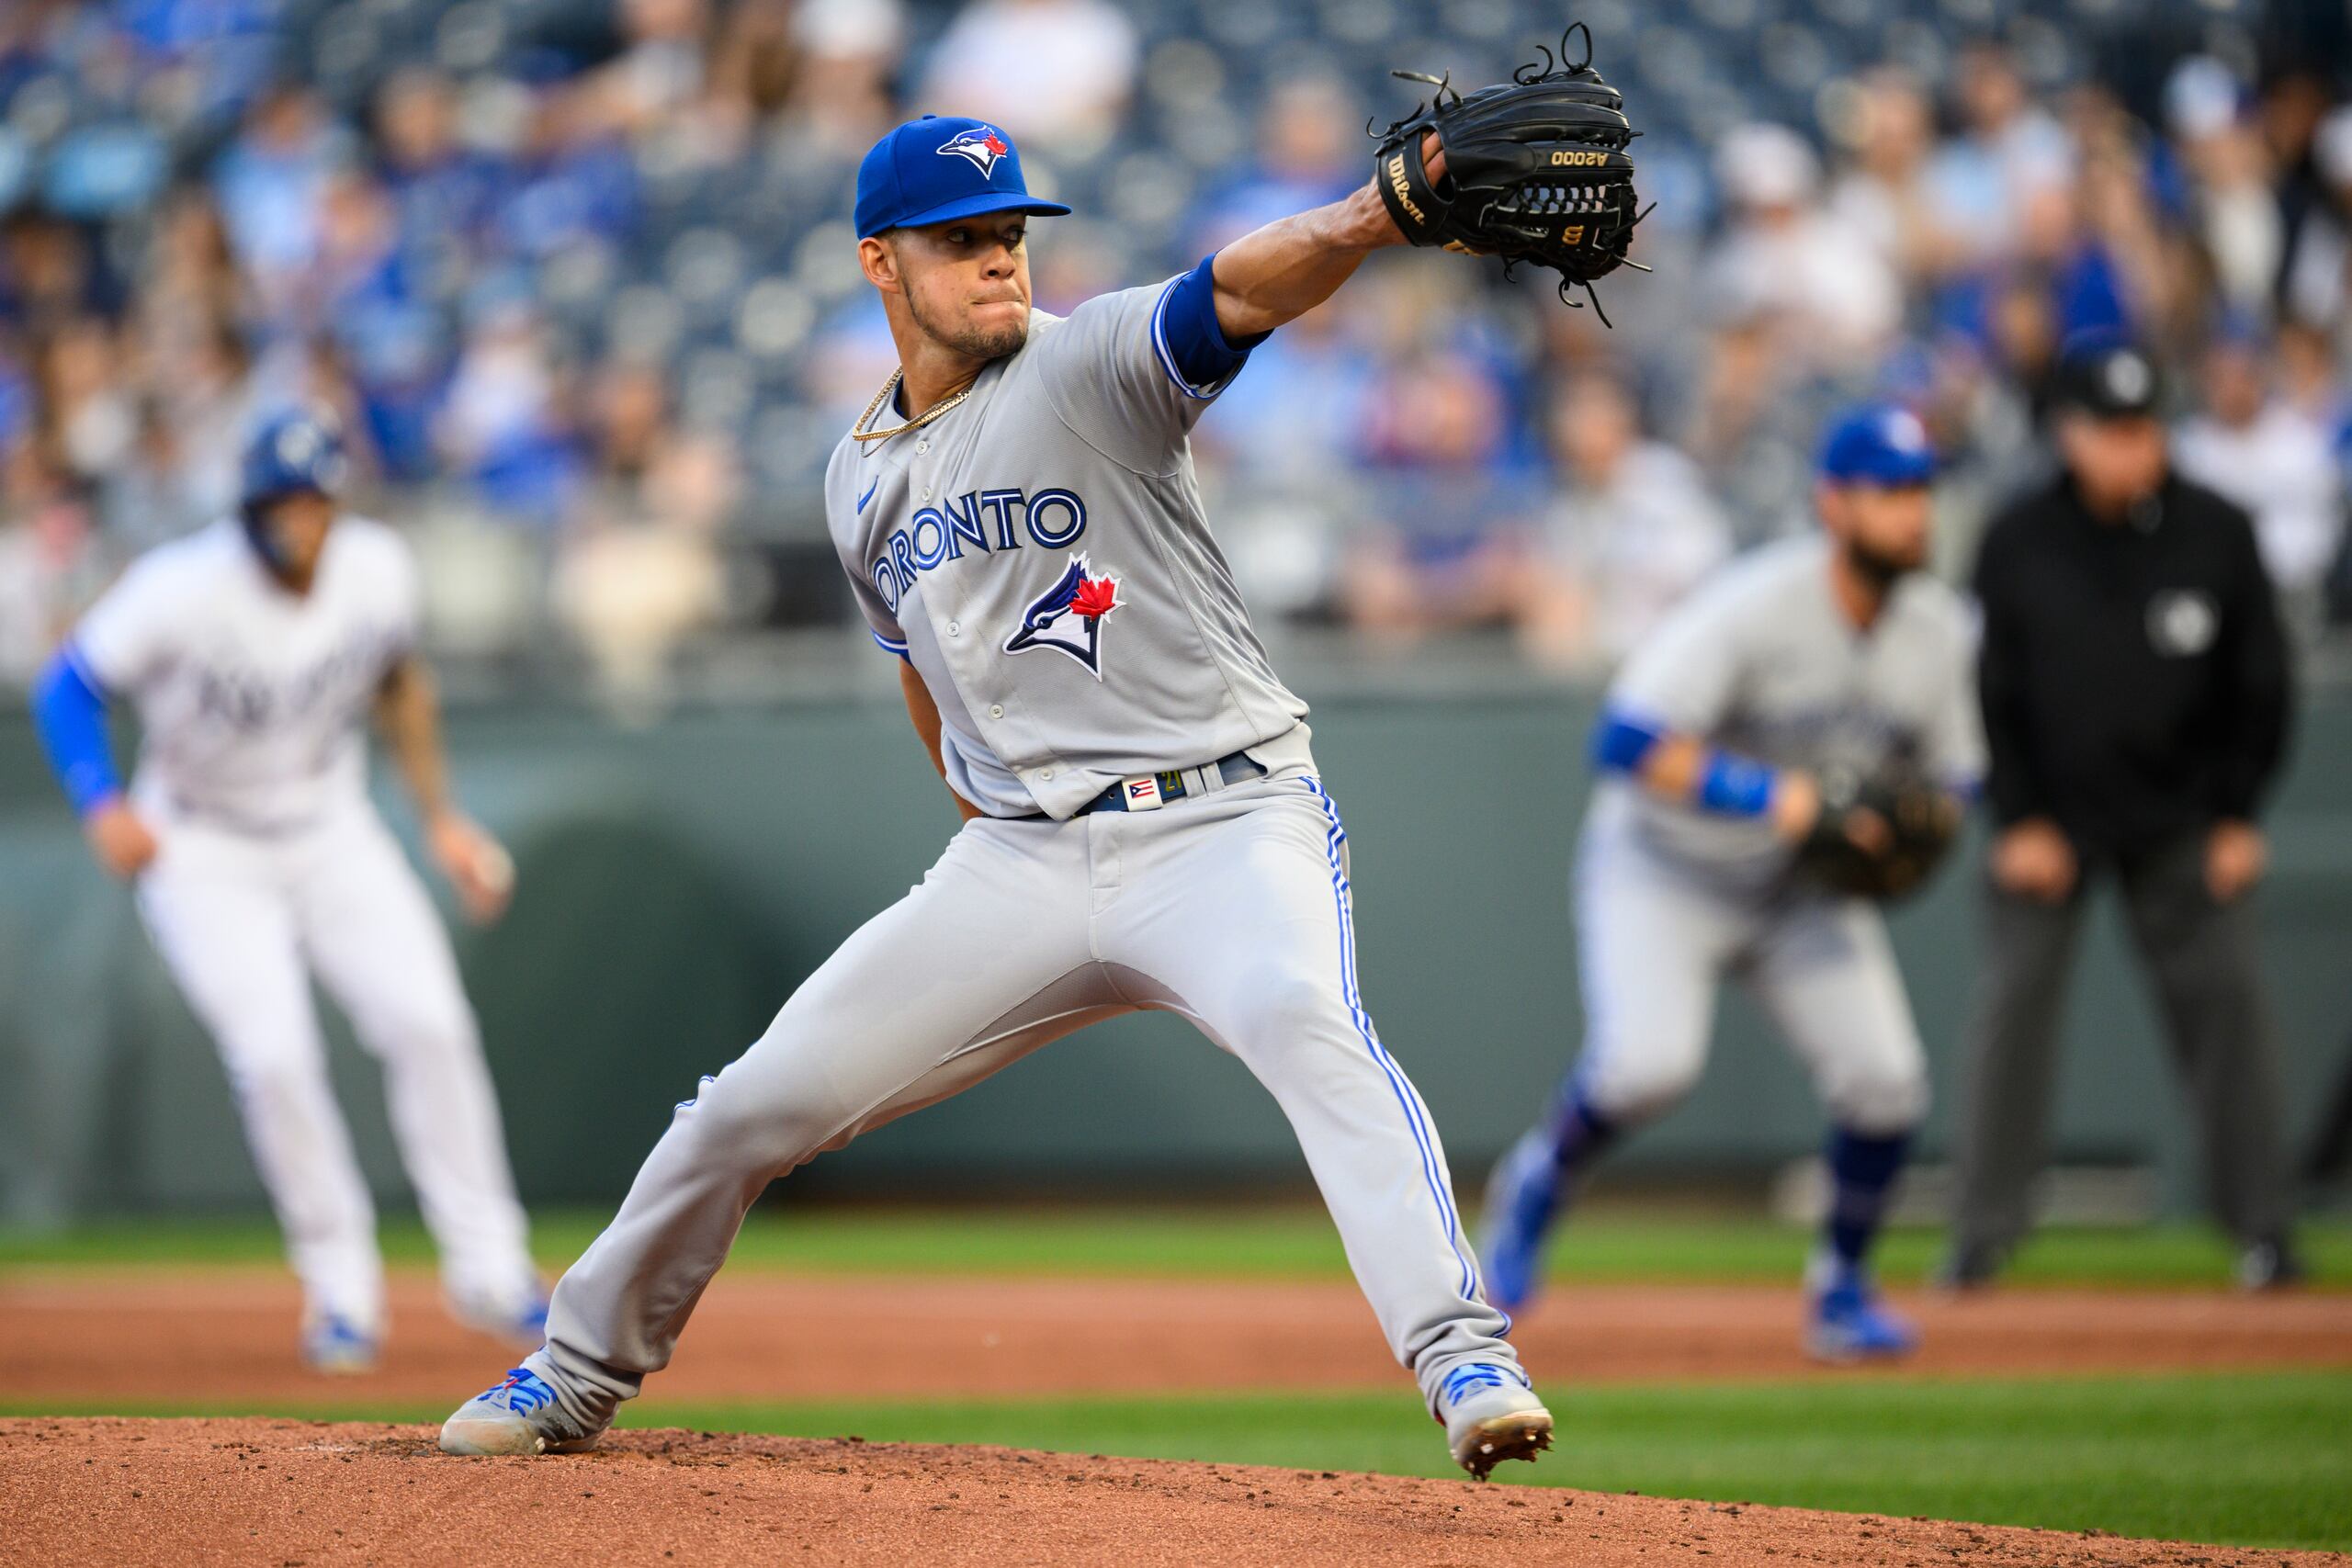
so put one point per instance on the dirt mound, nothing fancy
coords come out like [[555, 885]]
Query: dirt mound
[[222, 1336], [295, 1493]]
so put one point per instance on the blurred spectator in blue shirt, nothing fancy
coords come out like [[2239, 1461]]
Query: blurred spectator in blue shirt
[[580, 181], [1310, 150], [504, 427], [392, 340], [270, 183], [445, 193], [2008, 149], [1442, 548]]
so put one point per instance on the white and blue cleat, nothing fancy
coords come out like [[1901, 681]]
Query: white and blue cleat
[[1846, 1322], [1523, 1198], [1491, 1413], [520, 1416], [335, 1345]]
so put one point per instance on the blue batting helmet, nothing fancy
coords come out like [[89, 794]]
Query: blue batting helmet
[[292, 453]]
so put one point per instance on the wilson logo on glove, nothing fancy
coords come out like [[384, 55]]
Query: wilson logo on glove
[[1551, 143]]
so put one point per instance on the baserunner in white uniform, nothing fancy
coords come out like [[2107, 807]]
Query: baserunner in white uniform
[[1815, 657], [1144, 827], [254, 649]]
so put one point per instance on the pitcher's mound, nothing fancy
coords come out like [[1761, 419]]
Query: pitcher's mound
[[285, 1493]]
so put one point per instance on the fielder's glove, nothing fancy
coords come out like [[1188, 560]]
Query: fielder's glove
[[1877, 838], [1536, 170]]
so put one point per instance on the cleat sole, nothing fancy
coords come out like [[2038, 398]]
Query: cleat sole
[[1523, 1434]]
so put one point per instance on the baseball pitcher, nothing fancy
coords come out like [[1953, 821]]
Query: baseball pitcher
[[1144, 827], [253, 650], [1790, 747]]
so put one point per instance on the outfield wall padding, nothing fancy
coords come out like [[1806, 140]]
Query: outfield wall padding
[[679, 877]]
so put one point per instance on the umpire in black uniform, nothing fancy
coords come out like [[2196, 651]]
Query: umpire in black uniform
[[2134, 681]]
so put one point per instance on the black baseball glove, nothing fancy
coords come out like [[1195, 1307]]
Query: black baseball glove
[[1880, 837], [1536, 170]]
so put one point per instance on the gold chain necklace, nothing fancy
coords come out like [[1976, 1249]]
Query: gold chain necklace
[[890, 386]]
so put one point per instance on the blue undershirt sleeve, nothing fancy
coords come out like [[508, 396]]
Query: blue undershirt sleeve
[[1192, 346], [1620, 743], [71, 713], [1728, 784]]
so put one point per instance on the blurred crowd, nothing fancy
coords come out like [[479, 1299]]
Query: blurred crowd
[[578, 275]]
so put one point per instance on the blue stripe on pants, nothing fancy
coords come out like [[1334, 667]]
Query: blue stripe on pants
[[1416, 1114]]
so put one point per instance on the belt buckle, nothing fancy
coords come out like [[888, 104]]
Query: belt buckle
[[1141, 794]]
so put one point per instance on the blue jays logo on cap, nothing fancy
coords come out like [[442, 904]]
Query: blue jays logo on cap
[[1068, 617], [934, 170], [983, 145]]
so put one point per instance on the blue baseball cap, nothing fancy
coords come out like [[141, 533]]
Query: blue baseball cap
[[1878, 444], [942, 167]]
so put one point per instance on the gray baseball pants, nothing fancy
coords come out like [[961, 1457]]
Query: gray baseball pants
[[1231, 908]]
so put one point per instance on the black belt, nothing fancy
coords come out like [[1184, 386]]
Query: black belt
[[1149, 792]]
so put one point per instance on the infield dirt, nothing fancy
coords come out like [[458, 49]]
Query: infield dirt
[[215, 1337], [295, 1495]]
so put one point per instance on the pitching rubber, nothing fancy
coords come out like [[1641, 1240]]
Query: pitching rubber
[[1523, 1434]]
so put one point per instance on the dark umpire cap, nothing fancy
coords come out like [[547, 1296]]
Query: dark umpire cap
[[2109, 378], [1878, 444], [937, 168]]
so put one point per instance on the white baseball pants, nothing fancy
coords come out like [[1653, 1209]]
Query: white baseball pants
[[242, 922]]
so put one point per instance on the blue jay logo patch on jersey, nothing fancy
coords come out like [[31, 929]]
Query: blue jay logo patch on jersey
[[981, 144], [1068, 617]]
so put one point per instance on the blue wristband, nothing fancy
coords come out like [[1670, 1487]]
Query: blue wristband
[[1735, 786]]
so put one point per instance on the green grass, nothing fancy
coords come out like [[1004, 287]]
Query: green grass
[[2249, 1459], [2252, 1460], [1288, 1242]]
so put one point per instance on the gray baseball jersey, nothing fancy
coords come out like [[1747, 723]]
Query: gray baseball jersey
[[1039, 556], [1762, 661]]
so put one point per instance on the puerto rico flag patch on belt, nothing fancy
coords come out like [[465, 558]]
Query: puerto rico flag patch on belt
[[1068, 616]]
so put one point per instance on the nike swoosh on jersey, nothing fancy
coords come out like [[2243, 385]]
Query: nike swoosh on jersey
[[868, 496]]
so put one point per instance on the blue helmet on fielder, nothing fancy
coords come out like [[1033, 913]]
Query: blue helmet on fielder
[[293, 453], [1790, 747]]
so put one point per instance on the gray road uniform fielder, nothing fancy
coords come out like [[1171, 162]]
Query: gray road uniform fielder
[[1670, 899], [1155, 837]]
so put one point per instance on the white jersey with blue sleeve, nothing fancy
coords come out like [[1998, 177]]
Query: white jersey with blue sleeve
[[1040, 555], [251, 697], [1761, 661]]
